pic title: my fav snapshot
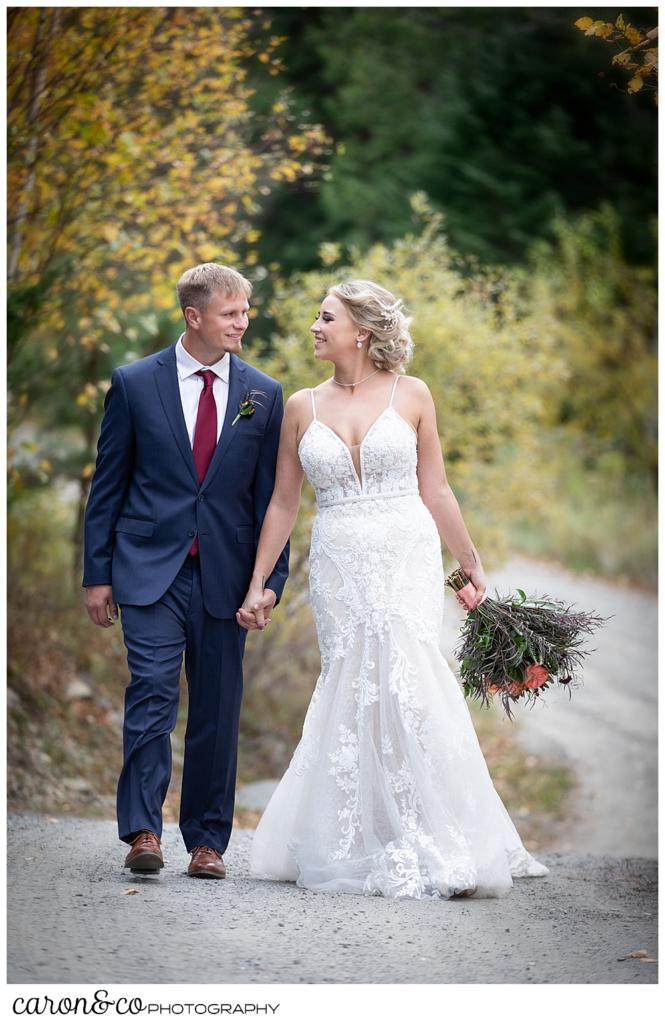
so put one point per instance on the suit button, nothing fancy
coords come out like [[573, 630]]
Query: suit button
[[191, 533], [202, 497]]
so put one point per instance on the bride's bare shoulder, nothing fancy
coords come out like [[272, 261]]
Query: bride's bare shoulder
[[299, 401], [298, 411], [414, 387]]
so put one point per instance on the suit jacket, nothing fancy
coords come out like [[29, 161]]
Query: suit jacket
[[146, 504]]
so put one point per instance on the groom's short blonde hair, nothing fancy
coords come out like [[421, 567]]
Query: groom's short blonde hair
[[198, 284]]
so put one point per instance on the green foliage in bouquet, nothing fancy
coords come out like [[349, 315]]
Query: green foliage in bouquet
[[515, 646]]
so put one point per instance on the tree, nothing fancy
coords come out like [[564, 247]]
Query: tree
[[603, 317], [490, 361], [133, 154], [497, 114], [637, 50], [128, 155]]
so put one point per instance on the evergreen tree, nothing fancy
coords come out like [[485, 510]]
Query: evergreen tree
[[505, 118]]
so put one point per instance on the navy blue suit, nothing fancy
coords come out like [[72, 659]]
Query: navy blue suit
[[146, 505]]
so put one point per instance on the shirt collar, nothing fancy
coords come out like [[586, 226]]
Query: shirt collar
[[187, 365]]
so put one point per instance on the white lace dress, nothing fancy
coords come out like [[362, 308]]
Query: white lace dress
[[388, 791]]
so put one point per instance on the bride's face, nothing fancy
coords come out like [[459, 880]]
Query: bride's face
[[335, 334]]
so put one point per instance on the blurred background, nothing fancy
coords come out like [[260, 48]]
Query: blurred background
[[495, 168]]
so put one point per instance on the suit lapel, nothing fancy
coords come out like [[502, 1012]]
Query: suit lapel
[[166, 379], [237, 388]]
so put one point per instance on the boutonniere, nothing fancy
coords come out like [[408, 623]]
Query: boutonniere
[[248, 405]]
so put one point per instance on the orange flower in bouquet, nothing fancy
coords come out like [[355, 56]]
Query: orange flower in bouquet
[[536, 675]]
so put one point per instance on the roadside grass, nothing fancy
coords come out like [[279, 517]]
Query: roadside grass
[[536, 791], [599, 523]]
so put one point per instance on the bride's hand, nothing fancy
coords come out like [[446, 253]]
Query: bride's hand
[[245, 616], [473, 593], [256, 608]]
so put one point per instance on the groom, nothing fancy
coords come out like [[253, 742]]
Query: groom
[[185, 471]]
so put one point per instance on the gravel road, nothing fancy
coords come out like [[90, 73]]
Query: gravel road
[[70, 921], [606, 732]]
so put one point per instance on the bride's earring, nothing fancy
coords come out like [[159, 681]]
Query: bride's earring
[[359, 344]]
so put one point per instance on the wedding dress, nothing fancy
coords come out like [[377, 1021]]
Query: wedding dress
[[388, 791]]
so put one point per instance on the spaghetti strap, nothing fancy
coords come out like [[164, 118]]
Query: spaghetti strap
[[311, 391], [392, 393]]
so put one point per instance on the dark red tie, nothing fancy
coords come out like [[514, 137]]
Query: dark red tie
[[205, 433]]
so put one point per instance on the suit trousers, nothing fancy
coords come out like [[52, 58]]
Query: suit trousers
[[156, 636]]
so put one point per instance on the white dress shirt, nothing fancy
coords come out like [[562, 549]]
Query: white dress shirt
[[191, 386]]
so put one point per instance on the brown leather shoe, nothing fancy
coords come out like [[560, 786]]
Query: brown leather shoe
[[146, 853], [206, 863]]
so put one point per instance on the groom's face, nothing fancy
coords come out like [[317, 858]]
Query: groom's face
[[223, 322]]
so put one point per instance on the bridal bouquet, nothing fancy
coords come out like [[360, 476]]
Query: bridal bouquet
[[515, 646]]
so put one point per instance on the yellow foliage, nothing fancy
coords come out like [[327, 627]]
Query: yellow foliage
[[297, 143], [489, 368], [635, 58], [330, 253], [623, 58], [116, 160], [602, 29], [603, 317], [503, 354], [633, 35]]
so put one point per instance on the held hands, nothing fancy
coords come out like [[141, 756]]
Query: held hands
[[473, 593], [100, 605], [256, 608]]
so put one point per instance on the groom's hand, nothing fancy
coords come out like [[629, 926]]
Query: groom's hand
[[100, 605]]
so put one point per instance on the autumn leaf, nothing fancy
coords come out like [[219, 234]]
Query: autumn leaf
[[623, 58], [602, 29], [633, 35], [643, 63]]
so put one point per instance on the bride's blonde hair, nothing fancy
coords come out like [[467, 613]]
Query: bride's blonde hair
[[376, 310]]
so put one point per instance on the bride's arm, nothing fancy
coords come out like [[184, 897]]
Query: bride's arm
[[280, 517], [438, 496]]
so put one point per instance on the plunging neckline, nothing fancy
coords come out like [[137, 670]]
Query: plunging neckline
[[358, 479]]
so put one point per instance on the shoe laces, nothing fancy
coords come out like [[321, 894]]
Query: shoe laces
[[144, 835], [206, 849]]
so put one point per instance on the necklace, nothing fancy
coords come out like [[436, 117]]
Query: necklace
[[355, 383]]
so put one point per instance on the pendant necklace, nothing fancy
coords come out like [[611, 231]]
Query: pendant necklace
[[355, 383]]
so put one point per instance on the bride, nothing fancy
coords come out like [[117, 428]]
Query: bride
[[388, 791]]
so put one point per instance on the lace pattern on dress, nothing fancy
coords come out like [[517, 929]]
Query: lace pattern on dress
[[388, 791]]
